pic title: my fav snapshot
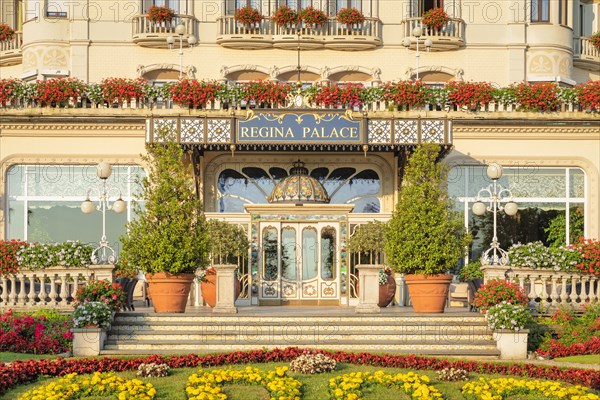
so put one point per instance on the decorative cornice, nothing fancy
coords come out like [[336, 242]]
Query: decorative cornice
[[526, 132], [73, 127]]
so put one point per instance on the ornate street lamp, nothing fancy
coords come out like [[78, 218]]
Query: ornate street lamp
[[180, 30], [417, 33], [101, 255], [495, 196]]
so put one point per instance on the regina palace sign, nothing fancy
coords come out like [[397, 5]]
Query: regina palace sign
[[299, 129]]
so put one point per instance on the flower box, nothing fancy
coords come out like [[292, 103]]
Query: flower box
[[160, 14], [434, 18], [512, 344], [313, 17], [6, 32], [248, 16], [88, 341], [285, 16], [350, 17]]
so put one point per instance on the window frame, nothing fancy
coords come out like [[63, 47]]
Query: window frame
[[537, 11]]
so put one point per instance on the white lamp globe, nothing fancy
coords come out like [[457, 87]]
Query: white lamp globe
[[479, 208], [494, 171], [428, 43], [406, 42], [511, 208], [417, 32], [170, 40], [87, 206], [180, 30], [103, 170], [192, 40], [119, 206]]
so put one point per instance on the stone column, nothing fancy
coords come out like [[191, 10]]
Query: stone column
[[368, 294], [88, 341], [226, 289]]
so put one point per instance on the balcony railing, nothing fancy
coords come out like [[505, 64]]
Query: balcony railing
[[53, 287], [449, 37], [147, 33], [331, 35], [586, 55], [10, 50], [548, 289]]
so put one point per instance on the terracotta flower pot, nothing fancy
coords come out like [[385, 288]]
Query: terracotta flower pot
[[169, 292], [387, 291], [209, 287], [428, 293]]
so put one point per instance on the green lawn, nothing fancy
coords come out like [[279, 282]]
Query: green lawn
[[315, 386], [589, 359], [10, 357]]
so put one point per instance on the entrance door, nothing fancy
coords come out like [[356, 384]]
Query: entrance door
[[299, 262]]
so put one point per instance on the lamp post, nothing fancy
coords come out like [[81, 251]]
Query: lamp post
[[496, 195], [180, 30], [417, 32], [100, 254]]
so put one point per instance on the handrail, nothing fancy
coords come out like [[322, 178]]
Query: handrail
[[142, 25], [14, 43], [586, 48], [453, 28]]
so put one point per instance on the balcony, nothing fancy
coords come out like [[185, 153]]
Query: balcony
[[332, 35], [451, 36], [154, 34], [586, 56], [10, 50]]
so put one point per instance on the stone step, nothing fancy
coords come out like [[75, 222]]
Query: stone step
[[414, 347], [491, 354], [237, 337]]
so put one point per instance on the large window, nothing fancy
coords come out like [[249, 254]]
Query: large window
[[336, 5], [540, 10], [296, 4], [253, 184], [44, 202], [551, 205]]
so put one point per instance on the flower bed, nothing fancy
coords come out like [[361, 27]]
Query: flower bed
[[502, 388], [25, 371], [536, 96], [35, 333], [339, 96], [207, 385], [100, 385], [70, 254], [265, 92], [123, 89], [555, 349], [8, 256], [58, 91], [194, 94], [406, 93], [470, 94], [535, 255]]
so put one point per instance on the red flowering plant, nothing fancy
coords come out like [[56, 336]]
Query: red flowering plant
[[266, 92], [590, 251], [434, 18], [285, 16], [58, 91], [595, 40], [248, 16], [193, 93], [312, 16], [160, 14], [588, 95], [123, 89], [469, 94], [350, 16], [496, 291], [42, 332], [348, 95], [406, 93], [123, 269], [110, 293], [541, 96], [8, 256], [6, 32], [9, 89]]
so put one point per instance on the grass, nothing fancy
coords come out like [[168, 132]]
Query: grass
[[588, 359], [315, 386], [10, 357]]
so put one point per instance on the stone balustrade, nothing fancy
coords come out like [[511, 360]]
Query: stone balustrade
[[52, 287], [449, 36], [10, 50], [548, 289]]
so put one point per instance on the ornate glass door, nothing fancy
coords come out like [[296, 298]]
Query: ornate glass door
[[299, 261]]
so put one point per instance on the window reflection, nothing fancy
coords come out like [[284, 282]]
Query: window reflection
[[288, 253], [328, 253], [309, 253], [269, 245]]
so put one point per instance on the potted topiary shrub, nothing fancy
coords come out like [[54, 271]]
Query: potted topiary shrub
[[368, 241], [169, 239], [425, 237], [229, 242]]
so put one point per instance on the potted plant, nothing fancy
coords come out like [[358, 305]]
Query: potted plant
[[313, 17], [160, 14], [509, 323], [228, 243], [425, 238], [350, 16], [368, 241], [496, 291], [434, 18], [6, 32], [92, 314], [285, 16], [169, 241], [248, 16], [594, 40]]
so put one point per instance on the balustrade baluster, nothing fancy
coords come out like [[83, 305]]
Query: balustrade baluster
[[63, 290], [554, 294], [595, 289], [532, 294], [52, 295], [43, 295], [563, 290], [13, 290], [574, 295], [4, 294], [21, 296]]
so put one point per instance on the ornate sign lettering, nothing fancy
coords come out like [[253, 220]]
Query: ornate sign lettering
[[310, 127]]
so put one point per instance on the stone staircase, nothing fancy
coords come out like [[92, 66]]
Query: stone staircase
[[441, 335]]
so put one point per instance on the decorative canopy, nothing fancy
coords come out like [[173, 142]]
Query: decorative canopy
[[299, 187]]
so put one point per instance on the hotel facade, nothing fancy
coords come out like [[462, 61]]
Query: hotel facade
[[299, 178]]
